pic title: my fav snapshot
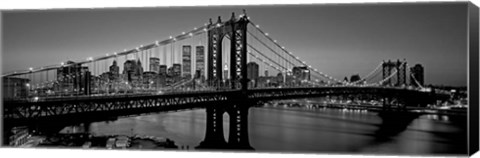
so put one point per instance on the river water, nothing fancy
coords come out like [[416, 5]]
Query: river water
[[278, 129]]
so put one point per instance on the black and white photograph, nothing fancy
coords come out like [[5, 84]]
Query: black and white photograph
[[358, 79]]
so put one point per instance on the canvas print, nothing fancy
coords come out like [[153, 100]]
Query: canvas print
[[350, 78]]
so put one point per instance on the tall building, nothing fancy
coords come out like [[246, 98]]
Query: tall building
[[155, 64], [417, 72], [280, 78], [133, 70], [225, 72], [15, 88], [200, 59], [170, 72], [139, 68], [129, 68], [355, 78], [114, 71], [162, 70], [73, 79], [187, 61], [252, 71], [301, 73], [162, 75], [177, 70]]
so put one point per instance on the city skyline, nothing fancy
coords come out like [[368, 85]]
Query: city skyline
[[350, 39], [356, 78]]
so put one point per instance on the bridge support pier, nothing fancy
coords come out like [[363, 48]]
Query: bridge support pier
[[393, 123], [238, 130], [214, 130], [238, 133]]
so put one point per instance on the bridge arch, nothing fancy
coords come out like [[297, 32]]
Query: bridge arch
[[236, 30]]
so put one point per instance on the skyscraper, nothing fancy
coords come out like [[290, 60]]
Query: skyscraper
[[139, 68], [162, 70], [114, 71], [177, 69], [73, 78], [155, 64], [417, 74], [129, 69], [252, 71], [301, 73], [132, 70], [187, 61], [200, 59], [225, 72]]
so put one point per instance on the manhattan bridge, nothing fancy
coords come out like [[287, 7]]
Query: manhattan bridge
[[158, 77]]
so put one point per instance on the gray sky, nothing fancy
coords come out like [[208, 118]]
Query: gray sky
[[339, 40]]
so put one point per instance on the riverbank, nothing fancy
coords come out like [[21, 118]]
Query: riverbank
[[88, 141]]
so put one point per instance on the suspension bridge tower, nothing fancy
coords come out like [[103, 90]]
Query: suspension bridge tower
[[237, 105], [398, 68], [236, 30]]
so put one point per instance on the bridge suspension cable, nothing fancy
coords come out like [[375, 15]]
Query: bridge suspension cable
[[369, 74], [185, 35], [295, 57], [286, 61], [415, 79], [387, 78]]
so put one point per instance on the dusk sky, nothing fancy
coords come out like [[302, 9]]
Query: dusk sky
[[339, 40]]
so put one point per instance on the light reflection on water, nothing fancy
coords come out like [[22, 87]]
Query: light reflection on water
[[302, 130]]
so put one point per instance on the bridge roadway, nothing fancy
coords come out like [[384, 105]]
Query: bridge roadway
[[49, 109]]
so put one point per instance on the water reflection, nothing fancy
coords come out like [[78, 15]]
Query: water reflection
[[306, 130]]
